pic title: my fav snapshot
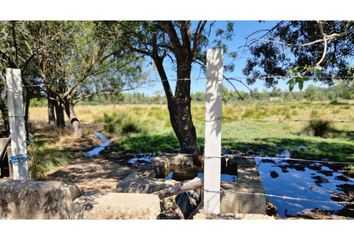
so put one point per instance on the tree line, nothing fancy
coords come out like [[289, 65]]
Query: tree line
[[68, 62]]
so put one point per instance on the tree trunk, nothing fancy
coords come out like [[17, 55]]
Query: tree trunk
[[51, 112], [182, 123], [59, 112], [75, 122], [5, 117], [179, 104]]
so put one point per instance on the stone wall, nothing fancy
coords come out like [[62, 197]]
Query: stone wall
[[36, 199]]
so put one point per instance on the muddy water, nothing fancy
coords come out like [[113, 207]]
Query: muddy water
[[329, 184]]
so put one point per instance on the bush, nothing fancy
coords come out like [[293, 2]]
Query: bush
[[318, 128], [314, 113], [110, 122], [130, 127]]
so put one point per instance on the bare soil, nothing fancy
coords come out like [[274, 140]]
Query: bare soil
[[92, 175]]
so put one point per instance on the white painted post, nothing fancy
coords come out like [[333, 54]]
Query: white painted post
[[212, 145], [17, 124]]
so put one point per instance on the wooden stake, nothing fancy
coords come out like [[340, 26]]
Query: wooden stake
[[212, 145], [17, 124]]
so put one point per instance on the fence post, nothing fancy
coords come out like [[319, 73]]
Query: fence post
[[17, 124], [212, 145]]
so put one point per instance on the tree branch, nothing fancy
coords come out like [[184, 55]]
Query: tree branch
[[185, 33], [235, 89], [171, 31], [320, 25], [197, 35], [326, 38], [237, 80]]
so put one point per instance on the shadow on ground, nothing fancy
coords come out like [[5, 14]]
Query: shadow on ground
[[99, 174]]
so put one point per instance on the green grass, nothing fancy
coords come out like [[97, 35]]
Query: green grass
[[241, 132], [45, 157], [260, 128]]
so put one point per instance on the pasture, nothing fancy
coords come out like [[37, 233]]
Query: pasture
[[310, 130]]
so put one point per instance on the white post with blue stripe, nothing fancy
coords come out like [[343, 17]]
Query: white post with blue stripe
[[212, 144], [19, 158]]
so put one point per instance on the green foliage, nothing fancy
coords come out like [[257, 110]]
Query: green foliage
[[130, 127], [296, 77], [150, 143], [43, 157], [289, 49], [38, 102], [227, 95], [318, 128]]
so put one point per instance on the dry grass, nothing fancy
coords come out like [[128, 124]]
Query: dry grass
[[268, 111]]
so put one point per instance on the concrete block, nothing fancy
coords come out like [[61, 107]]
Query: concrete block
[[237, 197], [233, 202], [124, 206]]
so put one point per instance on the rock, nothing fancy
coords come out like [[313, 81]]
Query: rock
[[176, 159], [272, 210], [36, 199], [140, 183], [188, 201], [274, 174], [121, 206], [229, 216], [168, 209]]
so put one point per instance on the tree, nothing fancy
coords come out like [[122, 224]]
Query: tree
[[312, 93], [276, 92], [182, 45], [302, 50], [17, 51], [198, 96], [79, 64]]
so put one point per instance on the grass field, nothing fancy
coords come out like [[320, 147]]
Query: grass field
[[263, 128]]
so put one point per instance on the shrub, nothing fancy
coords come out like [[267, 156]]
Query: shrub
[[130, 127], [111, 122], [287, 115], [295, 112], [314, 113], [318, 128]]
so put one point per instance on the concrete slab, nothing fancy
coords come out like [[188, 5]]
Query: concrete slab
[[237, 197], [121, 206]]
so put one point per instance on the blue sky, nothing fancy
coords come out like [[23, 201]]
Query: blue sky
[[241, 30]]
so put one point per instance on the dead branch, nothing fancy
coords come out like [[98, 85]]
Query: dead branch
[[180, 188]]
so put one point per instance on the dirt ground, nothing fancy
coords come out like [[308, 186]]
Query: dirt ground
[[98, 174]]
